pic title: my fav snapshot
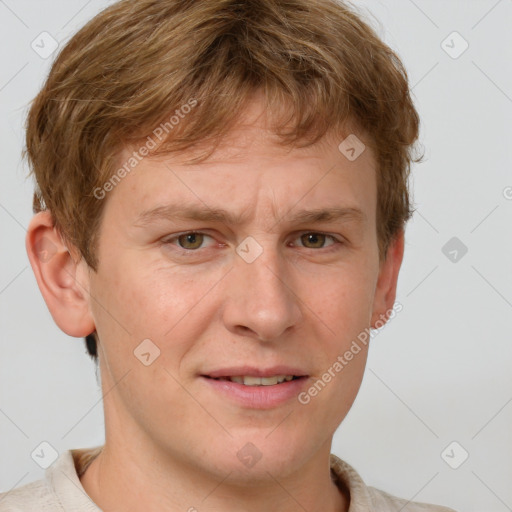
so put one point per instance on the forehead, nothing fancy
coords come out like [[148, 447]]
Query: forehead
[[249, 167]]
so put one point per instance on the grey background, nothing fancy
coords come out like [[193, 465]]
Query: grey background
[[438, 372]]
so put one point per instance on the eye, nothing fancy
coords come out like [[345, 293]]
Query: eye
[[190, 241], [314, 240]]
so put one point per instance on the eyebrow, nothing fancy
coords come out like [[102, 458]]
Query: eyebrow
[[220, 215]]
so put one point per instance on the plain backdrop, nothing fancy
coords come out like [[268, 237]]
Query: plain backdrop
[[438, 386]]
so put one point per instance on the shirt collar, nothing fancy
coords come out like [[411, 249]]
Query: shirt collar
[[62, 478], [346, 476]]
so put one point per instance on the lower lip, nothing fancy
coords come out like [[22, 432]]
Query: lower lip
[[258, 397]]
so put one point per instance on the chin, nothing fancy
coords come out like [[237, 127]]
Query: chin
[[262, 455]]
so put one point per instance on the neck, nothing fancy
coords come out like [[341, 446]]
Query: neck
[[149, 481]]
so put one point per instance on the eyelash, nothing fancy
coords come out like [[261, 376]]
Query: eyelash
[[190, 252]]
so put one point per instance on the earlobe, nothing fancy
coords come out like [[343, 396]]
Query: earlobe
[[60, 276], [385, 292]]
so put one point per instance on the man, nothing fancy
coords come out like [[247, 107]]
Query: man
[[220, 210]]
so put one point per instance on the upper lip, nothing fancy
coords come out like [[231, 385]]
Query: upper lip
[[235, 371]]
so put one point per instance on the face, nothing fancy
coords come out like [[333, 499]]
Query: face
[[228, 268]]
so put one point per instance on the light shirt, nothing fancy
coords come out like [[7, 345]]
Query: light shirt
[[62, 491]]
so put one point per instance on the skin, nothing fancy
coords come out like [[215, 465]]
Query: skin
[[172, 441]]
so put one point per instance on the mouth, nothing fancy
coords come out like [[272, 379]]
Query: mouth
[[251, 380], [257, 388]]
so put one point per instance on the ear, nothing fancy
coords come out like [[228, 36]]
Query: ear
[[63, 278], [385, 292]]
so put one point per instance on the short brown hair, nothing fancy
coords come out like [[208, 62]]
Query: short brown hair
[[129, 68]]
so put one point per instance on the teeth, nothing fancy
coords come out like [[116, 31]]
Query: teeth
[[248, 380]]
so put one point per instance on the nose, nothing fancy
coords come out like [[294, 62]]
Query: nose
[[261, 301]]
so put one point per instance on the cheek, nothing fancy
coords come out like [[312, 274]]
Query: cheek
[[141, 300], [343, 300]]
